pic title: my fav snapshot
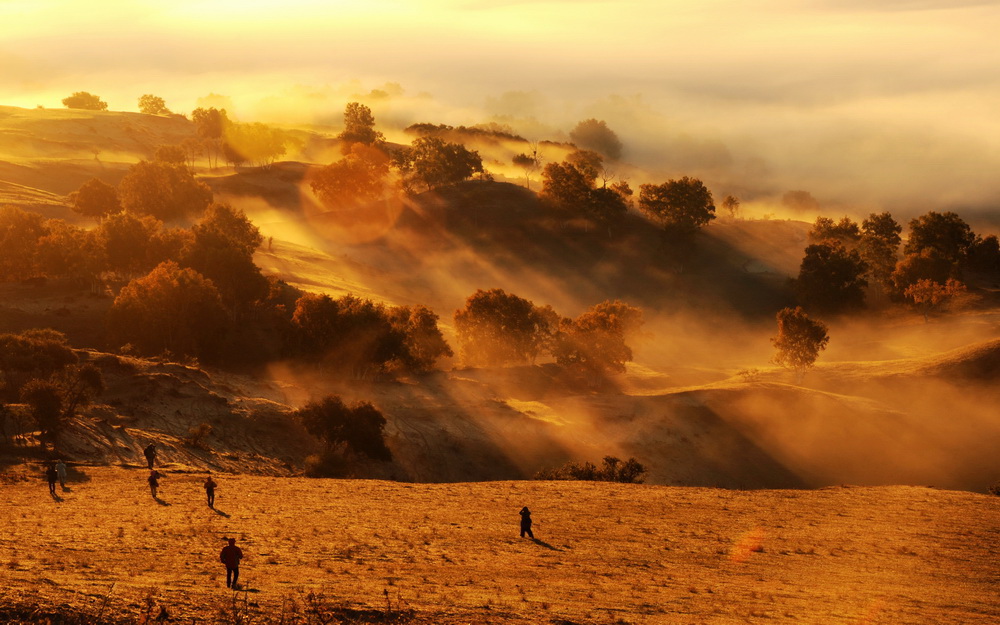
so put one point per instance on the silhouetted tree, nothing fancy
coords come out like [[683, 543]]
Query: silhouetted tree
[[845, 232], [33, 354], [928, 264], [68, 251], [257, 144], [358, 178], [77, 387], [170, 309], [596, 340], [946, 233], [928, 295], [211, 125], [86, 101], [496, 328], [20, 231], [882, 226], [150, 104], [45, 401], [528, 161], [831, 278], [800, 339], [127, 243], [222, 251], [360, 428], [593, 134], [164, 191], [985, 255], [732, 205], [171, 154], [683, 205], [96, 199], [424, 344], [359, 127], [612, 470], [430, 163], [572, 186]]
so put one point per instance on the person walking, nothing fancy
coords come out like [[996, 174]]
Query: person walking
[[526, 522], [150, 453], [231, 556], [154, 481], [52, 476], [61, 472], [210, 486]]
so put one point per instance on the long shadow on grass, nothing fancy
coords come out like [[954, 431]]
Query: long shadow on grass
[[161, 502], [542, 543], [220, 512]]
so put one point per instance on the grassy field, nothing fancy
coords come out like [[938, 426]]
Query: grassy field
[[604, 553]]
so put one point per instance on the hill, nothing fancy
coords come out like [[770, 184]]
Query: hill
[[368, 551]]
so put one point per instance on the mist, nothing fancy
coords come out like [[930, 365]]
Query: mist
[[865, 107]]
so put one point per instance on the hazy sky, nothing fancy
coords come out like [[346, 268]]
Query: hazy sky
[[869, 102]]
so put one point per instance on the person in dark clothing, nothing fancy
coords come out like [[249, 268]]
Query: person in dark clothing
[[231, 556], [526, 522], [154, 481], [52, 476], [210, 486], [150, 453]]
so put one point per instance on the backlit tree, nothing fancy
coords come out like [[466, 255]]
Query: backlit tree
[[150, 104], [800, 339], [683, 205], [96, 199], [86, 101]]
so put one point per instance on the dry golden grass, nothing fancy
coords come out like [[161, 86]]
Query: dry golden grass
[[605, 553]]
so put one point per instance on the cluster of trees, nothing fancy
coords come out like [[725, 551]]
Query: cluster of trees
[[491, 130], [345, 431], [847, 262], [364, 174], [85, 101], [612, 469], [497, 328], [41, 370], [572, 186]]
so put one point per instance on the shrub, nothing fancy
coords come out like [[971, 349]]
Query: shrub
[[196, 435], [612, 470], [358, 428]]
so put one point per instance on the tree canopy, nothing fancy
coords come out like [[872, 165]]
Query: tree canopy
[[497, 328], [831, 278], [360, 428], [800, 339], [431, 162], [946, 233], [86, 101], [594, 134], [150, 104], [359, 127], [358, 178], [96, 199], [164, 191], [683, 205]]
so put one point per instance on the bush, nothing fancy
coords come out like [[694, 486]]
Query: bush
[[612, 470], [196, 435], [358, 428]]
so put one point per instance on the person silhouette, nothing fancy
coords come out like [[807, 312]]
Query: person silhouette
[[150, 453], [526, 522], [231, 556], [52, 475], [61, 472], [154, 481], [210, 486]]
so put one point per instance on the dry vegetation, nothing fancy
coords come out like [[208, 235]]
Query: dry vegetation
[[450, 553]]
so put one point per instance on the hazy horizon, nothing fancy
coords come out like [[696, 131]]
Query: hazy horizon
[[866, 108]]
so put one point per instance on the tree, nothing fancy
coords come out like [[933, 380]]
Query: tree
[[20, 231], [596, 340], [431, 163], [882, 226], [985, 255], [359, 428], [358, 178], [222, 251], [928, 295], [572, 186], [496, 329], [169, 310], [254, 143], [96, 199], [732, 205], [211, 124], [152, 105], [928, 264], [612, 470], [831, 278], [593, 134], [683, 205], [424, 344], [85, 101], [77, 387], [359, 127], [127, 243], [68, 251], [164, 191], [45, 401], [800, 339], [171, 155], [529, 162], [945, 233], [846, 231], [33, 354]]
